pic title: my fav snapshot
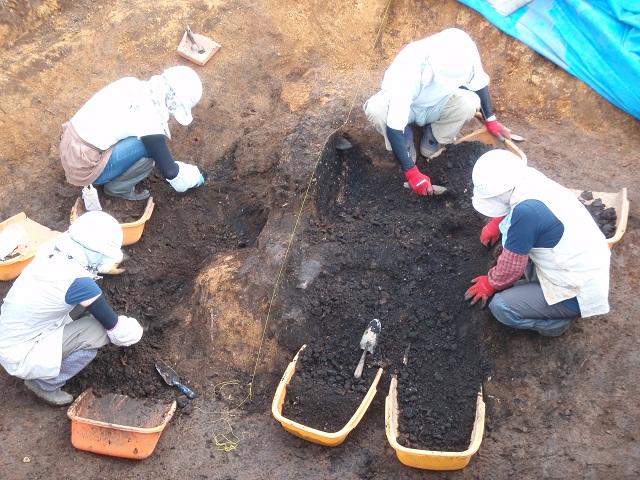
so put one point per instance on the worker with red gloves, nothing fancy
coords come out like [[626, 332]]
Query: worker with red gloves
[[549, 237], [437, 83]]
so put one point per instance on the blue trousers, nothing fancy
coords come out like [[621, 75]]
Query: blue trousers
[[123, 156], [524, 307]]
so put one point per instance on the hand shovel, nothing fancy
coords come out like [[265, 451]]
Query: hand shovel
[[172, 379], [368, 343]]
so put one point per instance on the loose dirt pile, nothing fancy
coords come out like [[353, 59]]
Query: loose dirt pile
[[325, 395], [125, 211], [380, 251], [185, 232]]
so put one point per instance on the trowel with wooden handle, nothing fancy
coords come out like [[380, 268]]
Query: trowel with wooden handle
[[368, 343]]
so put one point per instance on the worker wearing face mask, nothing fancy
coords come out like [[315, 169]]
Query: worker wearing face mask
[[39, 341], [549, 237], [117, 137], [438, 84]]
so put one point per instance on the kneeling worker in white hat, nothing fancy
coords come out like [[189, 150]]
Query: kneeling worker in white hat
[[437, 83], [38, 339], [118, 136], [548, 236]]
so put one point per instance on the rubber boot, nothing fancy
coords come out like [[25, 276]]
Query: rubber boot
[[124, 186], [56, 397], [429, 146], [411, 145]]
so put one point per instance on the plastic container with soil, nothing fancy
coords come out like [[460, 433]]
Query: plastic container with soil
[[430, 459], [132, 230], [35, 235], [117, 425], [619, 202], [314, 435]]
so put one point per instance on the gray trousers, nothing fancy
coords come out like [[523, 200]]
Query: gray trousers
[[127, 181], [80, 342], [523, 306]]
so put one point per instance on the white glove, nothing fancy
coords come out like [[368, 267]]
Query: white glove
[[126, 332], [189, 176], [111, 266]]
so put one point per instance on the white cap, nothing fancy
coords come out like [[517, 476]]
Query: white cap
[[495, 174], [98, 232], [185, 92], [454, 64]]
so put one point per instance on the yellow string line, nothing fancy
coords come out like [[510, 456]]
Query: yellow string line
[[304, 200]]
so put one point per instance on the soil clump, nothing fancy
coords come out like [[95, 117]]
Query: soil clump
[[605, 217], [386, 253]]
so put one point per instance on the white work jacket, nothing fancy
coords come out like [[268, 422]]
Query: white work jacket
[[578, 266], [34, 313], [426, 71], [124, 108]]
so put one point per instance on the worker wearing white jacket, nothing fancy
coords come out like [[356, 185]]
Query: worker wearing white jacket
[[39, 341], [120, 133], [548, 236], [437, 83]]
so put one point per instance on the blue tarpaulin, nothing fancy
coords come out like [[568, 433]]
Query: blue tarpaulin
[[598, 41]]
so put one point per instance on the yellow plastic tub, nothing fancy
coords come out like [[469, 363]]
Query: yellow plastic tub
[[36, 235], [132, 230], [430, 459], [312, 434], [89, 432]]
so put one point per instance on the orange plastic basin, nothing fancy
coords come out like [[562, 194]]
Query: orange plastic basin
[[132, 231], [92, 431], [430, 459], [311, 434], [36, 235]]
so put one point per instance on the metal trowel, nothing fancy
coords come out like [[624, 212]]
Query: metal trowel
[[437, 189], [172, 379], [368, 343]]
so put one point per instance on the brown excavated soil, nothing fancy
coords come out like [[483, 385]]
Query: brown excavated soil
[[202, 276]]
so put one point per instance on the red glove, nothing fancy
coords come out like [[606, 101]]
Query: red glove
[[491, 232], [481, 290], [497, 129], [420, 183]]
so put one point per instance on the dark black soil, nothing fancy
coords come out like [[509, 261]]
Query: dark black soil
[[386, 253], [326, 388], [184, 233], [605, 217]]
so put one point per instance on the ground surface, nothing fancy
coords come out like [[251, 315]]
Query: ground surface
[[202, 276]]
